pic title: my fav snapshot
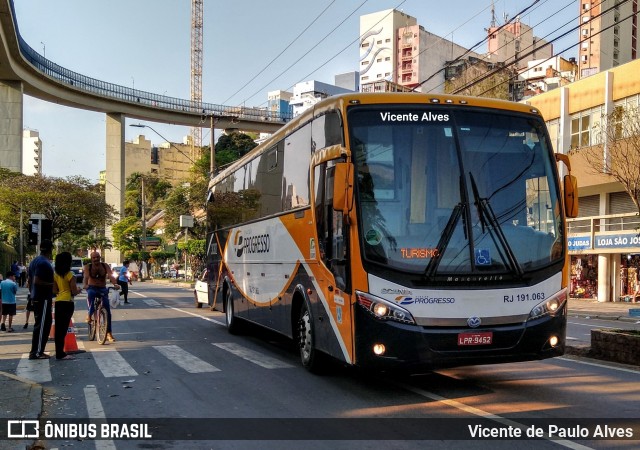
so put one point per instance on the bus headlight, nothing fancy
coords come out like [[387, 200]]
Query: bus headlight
[[383, 309], [550, 306]]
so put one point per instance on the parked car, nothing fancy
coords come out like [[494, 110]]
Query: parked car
[[77, 268]]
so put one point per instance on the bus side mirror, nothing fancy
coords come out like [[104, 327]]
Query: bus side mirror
[[343, 187], [570, 196]]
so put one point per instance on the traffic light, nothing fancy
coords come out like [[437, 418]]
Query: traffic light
[[33, 231], [45, 230], [41, 227]]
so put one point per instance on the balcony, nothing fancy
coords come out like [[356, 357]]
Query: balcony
[[602, 234]]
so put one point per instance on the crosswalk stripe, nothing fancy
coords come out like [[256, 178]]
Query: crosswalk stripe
[[37, 370], [151, 302], [250, 355], [112, 364], [96, 411], [184, 359]]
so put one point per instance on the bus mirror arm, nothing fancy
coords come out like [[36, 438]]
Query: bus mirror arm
[[343, 187]]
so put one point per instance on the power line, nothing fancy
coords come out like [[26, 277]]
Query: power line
[[571, 2], [476, 45], [490, 74], [308, 51], [280, 54]]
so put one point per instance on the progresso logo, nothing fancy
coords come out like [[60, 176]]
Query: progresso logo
[[423, 300], [260, 243]]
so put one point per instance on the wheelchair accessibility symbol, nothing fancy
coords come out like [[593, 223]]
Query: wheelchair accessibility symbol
[[483, 257]]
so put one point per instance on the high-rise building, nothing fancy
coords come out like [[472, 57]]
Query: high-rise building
[[308, 93], [515, 43], [349, 80], [608, 34], [31, 152], [397, 53]]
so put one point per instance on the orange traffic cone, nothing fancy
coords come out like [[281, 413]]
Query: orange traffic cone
[[70, 343], [52, 332]]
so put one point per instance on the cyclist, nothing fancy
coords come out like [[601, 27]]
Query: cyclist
[[96, 274]]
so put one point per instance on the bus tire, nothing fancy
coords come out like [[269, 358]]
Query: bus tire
[[233, 325], [309, 356]]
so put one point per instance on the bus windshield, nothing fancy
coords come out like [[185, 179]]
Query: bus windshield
[[453, 191]]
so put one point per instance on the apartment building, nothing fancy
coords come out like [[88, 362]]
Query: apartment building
[[608, 34], [31, 152], [603, 241]]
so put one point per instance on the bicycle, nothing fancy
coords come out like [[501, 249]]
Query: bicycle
[[98, 323]]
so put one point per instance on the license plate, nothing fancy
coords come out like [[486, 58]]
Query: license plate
[[483, 338]]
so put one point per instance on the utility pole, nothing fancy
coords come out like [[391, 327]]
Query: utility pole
[[212, 153], [144, 220]]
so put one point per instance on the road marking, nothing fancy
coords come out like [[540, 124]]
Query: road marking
[[604, 366], [487, 415], [184, 359], [37, 370], [96, 411], [151, 302], [209, 319], [572, 339], [137, 293], [589, 325], [252, 356], [112, 364]]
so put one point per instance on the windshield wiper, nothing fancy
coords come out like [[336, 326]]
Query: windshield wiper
[[489, 220], [444, 240]]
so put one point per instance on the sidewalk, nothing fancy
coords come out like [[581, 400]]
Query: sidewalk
[[583, 307]]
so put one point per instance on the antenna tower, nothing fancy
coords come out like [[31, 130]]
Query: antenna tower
[[196, 69]]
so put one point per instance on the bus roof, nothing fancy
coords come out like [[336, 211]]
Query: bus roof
[[341, 101]]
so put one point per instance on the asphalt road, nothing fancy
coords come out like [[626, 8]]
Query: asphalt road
[[175, 369]]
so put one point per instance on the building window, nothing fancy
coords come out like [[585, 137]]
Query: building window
[[580, 131], [387, 40], [388, 58], [365, 44], [585, 6]]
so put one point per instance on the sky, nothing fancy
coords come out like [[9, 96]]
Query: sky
[[249, 49]]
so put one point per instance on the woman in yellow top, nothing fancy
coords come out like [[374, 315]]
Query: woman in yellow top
[[65, 288]]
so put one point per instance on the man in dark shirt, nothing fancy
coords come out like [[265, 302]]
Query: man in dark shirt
[[41, 289]]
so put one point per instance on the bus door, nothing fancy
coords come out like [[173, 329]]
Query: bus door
[[333, 273]]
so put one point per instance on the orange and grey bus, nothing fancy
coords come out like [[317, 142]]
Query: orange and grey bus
[[398, 230]]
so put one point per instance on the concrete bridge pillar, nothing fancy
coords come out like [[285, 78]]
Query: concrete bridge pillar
[[115, 179], [11, 116]]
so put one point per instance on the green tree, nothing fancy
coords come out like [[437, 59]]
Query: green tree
[[127, 233], [232, 146], [74, 205]]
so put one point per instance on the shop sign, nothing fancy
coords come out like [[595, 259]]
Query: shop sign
[[579, 243], [617, 241]]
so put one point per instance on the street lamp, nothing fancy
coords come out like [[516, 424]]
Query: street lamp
[[139, 125]]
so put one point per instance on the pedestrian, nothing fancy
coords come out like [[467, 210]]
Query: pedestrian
[[28, 310], [40, 281], [9, 289], [96, 274], [124, 280], [636, 286], [23, 275], [65, 288], [15, 268]]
